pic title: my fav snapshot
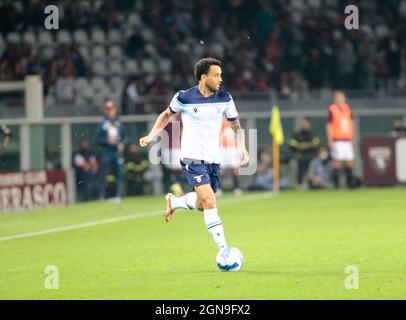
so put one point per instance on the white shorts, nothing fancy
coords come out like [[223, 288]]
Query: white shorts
[[230, 157], [342, 151]]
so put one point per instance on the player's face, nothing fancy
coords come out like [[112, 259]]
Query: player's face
[[213, 79]]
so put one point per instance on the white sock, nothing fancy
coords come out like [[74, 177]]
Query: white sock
[[188, 201], [215, 227]]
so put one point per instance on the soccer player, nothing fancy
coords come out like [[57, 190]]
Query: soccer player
[[341, 138], [202, 109]]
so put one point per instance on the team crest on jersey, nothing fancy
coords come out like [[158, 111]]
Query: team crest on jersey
[[195, 109], [380, 159]]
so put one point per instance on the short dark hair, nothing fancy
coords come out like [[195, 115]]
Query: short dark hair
[[203, 66]]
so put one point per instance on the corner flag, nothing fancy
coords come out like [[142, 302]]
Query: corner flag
[[275, 126], [275, 129]]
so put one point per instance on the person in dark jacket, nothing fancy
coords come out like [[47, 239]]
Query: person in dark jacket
[[304, 147], [111, 137]]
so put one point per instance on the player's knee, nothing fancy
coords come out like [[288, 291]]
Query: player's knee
[[199, 205], [209, 203]]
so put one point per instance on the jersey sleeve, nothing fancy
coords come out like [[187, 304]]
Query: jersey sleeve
[[175, 105], [231, 112]]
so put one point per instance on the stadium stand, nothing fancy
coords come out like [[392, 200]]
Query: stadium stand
[[287, 46]]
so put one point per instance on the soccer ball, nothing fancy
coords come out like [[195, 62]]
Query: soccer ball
[[230, 259]]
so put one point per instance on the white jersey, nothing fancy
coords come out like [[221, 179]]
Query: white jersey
[[202, 119]]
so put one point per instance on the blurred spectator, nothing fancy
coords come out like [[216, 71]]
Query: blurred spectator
[[381, 69], [135, 44], [304, 147], [399, 128], [108, 15], [111, 136], [5, 136], [314, 71], [263, 178], [52, 157], [77, 60], [319, 174], [278, 45], [37, 64], [131, 101], [76, 15], [9, 16], [6, 71], [392, 47], [86, 166], [346, 61], [65, 84], [136, 164], [14, 61]]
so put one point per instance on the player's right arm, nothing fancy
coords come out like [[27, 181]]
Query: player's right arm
[[160, 123], [163, 119]]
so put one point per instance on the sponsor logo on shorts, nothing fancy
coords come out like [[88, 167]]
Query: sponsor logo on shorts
[[198, 178]]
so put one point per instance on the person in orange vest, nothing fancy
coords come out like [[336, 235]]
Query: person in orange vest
[[341, 138]]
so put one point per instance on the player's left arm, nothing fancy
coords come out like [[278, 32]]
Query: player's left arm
[[235, 124]]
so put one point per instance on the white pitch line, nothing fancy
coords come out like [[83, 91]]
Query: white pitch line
[[120, 219]]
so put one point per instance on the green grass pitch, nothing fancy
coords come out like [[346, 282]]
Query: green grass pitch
[[296, 246]]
